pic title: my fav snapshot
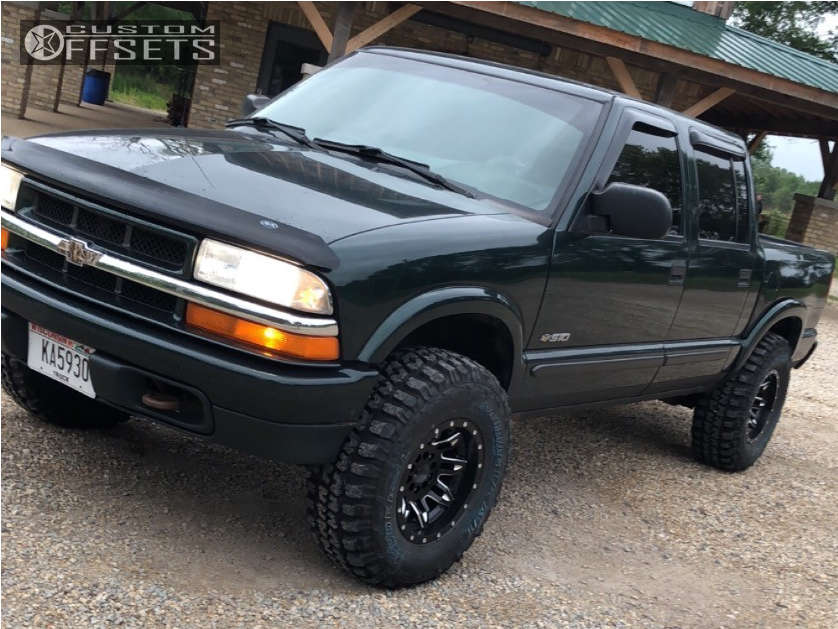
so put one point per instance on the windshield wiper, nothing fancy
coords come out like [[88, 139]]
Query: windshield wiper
[[297, 134], [377, 154]]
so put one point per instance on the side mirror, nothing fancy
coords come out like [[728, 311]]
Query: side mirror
[[252, 102], [633, 211]]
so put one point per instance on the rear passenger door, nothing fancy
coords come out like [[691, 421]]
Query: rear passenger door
[[719, 282]]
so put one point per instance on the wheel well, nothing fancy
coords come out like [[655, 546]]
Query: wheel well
[[790, 329], [484, 339]]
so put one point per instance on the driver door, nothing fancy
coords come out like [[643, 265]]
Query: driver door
[[610, 300]]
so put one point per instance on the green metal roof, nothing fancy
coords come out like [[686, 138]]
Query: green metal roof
[[680, 26]]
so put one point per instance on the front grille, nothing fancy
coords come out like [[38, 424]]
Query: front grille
[[121, 234], [105, 286], [110, 231], [166, 250]]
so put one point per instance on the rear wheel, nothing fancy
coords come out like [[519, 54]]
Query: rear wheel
[[733, 424], [52, 401], [415, 483]]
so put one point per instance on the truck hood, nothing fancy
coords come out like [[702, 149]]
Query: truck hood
[[241, 185]]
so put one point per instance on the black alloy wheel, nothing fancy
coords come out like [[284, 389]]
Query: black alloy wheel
[[435, 486]]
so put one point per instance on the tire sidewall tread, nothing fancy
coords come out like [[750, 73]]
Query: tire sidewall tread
[[352, 501], [719, 429]]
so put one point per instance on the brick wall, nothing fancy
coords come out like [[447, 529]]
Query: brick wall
[[44, 79], [219, 89], [814, 222], [13, 71]]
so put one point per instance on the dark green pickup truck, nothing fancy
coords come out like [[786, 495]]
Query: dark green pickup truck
[[370, 273]]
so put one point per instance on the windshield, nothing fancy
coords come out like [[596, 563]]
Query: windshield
[[506, 139]]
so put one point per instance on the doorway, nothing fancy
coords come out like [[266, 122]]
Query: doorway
[[287, 48]]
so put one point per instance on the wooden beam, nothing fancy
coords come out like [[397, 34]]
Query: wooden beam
[[800, 128], [317, 23], [463, 11], [667, 83], [754, 142], [617, 40], [341, 30], [621, 73], [711, 100], [382, 26]]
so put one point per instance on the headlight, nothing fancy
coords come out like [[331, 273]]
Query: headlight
[[9, 185], [261, 276]]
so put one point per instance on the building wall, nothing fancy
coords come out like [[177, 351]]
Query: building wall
[[219, 90], [44, 80], [13, 71]]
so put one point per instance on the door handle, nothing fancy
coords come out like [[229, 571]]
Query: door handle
[[744, 278], [678, 273]]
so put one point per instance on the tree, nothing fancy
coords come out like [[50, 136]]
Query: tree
[[790, 23], [763, 152]]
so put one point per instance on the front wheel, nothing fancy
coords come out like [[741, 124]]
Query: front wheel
[[415, 482]]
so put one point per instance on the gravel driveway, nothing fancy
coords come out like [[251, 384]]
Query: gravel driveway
[[604, 520]]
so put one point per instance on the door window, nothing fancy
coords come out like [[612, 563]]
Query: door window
[[717, 219], [743, 214], [652, 161]]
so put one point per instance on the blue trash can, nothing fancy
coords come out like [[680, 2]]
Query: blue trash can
[[96, 86]]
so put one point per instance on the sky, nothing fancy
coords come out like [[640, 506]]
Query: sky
[[797, 154]]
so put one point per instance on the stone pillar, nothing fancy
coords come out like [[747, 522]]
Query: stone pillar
[[814, 222], [219, 89]]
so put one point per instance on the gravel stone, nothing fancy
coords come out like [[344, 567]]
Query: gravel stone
[[604, 521]]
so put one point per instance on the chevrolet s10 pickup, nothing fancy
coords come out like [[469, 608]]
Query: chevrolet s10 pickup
[[371, 272]]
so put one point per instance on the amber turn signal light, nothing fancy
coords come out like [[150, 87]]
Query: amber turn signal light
[[262, 336], [5, 233]]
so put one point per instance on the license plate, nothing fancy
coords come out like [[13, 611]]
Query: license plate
[[61, 359]]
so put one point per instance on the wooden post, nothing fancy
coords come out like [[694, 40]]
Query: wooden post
[[382, 26], [317, 23], [621, 73], [74, 15], [95, 16], [755, 141], [711, 100], [107, 14], [830, 169], [27, 76], [342, 30]]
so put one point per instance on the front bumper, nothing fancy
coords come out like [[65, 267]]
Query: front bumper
[[289, 413]]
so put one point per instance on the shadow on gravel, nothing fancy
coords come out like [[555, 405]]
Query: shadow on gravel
[[228, 518], [636, 429]]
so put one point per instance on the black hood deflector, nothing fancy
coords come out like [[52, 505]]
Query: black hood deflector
[[154, 200]]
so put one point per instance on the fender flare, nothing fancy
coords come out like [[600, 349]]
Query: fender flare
[[785, 309], [443, 302]]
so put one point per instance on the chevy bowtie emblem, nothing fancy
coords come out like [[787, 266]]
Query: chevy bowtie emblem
[[77, 252]]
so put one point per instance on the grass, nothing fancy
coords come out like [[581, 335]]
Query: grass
[[134, 90]]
